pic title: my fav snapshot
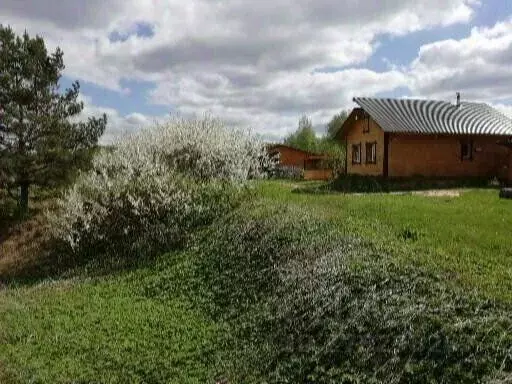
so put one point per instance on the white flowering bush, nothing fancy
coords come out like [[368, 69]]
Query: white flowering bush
[[156, 186]]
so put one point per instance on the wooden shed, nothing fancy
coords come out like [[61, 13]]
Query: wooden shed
[[312, 164]]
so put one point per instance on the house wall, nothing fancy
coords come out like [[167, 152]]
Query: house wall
[[509, 173], [427, 155], [291, 157], [440, 156], [355, 136]]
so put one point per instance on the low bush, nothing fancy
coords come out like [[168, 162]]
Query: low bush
[[308, 305], [357, 183], [336, 157], [288, 172], [153, 188], [375, 184]]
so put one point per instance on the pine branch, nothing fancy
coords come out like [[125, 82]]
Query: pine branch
[[10, 194], [36, 133]]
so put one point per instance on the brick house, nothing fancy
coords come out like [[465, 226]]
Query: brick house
[[405, 137]]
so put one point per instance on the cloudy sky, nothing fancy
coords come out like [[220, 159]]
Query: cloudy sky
[[264, 63]]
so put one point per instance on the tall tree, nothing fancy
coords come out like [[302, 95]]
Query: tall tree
[[335, 123], [41, 140], [304, 137]]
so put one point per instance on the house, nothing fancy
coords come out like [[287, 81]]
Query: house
[[406, 137], [312, 164]]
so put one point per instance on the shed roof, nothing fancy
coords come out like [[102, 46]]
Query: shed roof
[[309, 154], [435, 117]]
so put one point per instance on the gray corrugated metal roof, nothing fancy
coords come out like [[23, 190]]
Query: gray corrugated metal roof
[[435, 117]]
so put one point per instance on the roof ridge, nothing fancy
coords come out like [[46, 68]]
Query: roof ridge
[[417, 99], [429, 116]]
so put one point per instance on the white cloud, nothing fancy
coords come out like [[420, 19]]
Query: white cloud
[[276, 105], [479, 65], [213, 37], [117, 124], [252, 63]]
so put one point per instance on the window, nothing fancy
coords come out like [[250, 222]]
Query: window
[[356, 153], [366, 124], [466, 150], [371, 153]]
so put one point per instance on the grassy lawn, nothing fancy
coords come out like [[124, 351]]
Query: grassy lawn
[[101, 331], [109, 330], [467, 237]]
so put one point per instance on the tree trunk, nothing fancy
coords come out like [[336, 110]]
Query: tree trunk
[[23, 200]]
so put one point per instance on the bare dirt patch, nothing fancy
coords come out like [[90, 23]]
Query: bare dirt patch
[[439, 193], [22, 242], [22, 245]]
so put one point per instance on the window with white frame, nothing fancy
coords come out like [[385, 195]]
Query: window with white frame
[[371, 153], [356, 153]]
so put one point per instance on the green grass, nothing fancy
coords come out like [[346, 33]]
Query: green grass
[[465, 237], [104, 330], [111, 330]]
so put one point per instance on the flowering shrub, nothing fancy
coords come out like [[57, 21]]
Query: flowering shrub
[[156, 186]]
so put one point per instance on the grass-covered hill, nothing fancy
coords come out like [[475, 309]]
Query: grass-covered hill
[[286, 288]]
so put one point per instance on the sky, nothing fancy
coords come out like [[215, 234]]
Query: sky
[[262, 64]]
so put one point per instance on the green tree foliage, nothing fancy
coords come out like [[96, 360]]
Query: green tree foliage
[[304, 137], [336, 153], [336, 122], [40, 142]]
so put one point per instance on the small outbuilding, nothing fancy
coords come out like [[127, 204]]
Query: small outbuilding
[[312, 164]]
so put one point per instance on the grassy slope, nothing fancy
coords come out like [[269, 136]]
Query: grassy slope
[[467, 237], [102, 331], [108, 330]]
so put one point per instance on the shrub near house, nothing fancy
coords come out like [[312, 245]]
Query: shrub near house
[[157, 186]]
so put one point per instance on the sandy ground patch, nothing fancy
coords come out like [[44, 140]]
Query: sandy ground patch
[[439, 193]]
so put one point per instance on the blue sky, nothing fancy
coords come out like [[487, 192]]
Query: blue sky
[[401, 51], [264, 64]]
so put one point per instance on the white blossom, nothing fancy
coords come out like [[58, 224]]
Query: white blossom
[[158, 184]]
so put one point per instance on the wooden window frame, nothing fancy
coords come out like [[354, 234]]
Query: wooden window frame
[[366, 124], [470, 146], [358, 150], [368, 146]]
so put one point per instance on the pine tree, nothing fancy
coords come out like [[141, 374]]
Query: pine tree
[[41, 141]]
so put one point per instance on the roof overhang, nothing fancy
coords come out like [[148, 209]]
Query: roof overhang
[[427, 117]]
